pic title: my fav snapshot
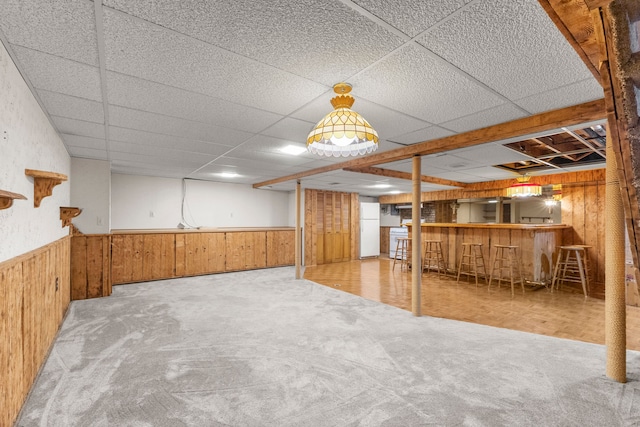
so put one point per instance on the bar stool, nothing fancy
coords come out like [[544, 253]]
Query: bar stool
[[472, 259], [433, 256], [402, 251], [572, 265], [506, 259]]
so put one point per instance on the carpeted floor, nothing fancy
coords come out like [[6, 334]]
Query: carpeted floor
[[258, 348]]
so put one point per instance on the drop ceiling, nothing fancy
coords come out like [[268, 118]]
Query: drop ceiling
[[192, 89]]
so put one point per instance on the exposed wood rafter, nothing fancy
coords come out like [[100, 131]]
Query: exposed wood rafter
[[405, 175]]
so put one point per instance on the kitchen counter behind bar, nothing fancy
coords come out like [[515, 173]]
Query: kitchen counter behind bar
[[536, 244]]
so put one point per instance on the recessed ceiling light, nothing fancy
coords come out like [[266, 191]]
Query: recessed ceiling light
[[228, 174], [395, 192], [381, 186], [294, 150]]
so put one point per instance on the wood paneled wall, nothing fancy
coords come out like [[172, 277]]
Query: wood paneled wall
[[90, 266], [583, 209], [155, 256], [384, 240], [332, 223], [34, 296], [497, 188]]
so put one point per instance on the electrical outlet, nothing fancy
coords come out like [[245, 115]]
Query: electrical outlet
[[98, 221], [152, 214]]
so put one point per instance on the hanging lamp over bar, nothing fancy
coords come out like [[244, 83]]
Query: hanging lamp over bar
[[342, 132], [524, 188]]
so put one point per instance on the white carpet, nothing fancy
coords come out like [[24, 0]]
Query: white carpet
[[258, 348]]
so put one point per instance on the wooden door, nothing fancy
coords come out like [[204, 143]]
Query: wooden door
[[329, 227]]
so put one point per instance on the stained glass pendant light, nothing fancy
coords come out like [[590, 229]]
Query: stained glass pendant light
[[342, 132], [524, 188]]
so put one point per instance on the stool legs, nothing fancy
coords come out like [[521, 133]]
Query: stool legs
[[433, 257], [572, 265], [472, 259], [402, 251], [506, 258]]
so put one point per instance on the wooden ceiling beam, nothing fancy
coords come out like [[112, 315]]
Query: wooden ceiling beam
[[573, 20], [594, 4], [547, 121], [406, 175]]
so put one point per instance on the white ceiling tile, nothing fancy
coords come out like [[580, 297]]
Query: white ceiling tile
[[157, 162], [87, 153], [388, 123], [156, 140], [188, 129], [137, 168], [66, 28], [56, 74], [510, 45], [152, 97], [58, 104], [500, 114], [296, 36], [290, 129], [489, 154], [426, 134], [84, 142], [273, 158], [261, 144], [410, 16], [412, 81], [258, 165], [140, 49], [566, 96], [489, 173], [78, 127], [448, 162], [459, 176], [153, 151]]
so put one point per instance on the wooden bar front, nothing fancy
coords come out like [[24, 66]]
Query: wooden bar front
[[536, 243]]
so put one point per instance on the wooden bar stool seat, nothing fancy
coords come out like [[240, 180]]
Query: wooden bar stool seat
[[402, 251], [433, 257], [572, 265], [505, 261], [471, 260]]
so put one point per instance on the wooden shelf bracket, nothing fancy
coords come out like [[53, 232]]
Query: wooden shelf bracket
[[7, 198], [66, 213], [43, 183]]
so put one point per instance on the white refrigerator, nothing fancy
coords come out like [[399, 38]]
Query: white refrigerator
[[369, 230]]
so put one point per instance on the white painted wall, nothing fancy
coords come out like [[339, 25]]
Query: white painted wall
[[142, 202], [27, 141], [91, 191], [535, 207], [464, 213]]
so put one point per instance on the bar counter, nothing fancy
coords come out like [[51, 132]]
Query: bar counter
[[536, 243]]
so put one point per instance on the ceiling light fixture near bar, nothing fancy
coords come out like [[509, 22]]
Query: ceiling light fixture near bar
[[524, 188], [228, 174], [342, 132]]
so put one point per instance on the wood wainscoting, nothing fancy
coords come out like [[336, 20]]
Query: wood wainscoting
[[90, 266], [34, 297], [140, 256]]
